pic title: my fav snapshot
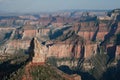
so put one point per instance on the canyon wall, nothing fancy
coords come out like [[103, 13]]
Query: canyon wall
[[29, 34], [69, 50], [88, 30], [62, 50]]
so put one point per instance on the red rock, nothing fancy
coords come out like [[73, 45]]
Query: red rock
[[118, 52]]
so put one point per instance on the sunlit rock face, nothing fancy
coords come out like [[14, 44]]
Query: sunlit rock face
[[28, 34], [61, 50], [37, 51], [118, 51]]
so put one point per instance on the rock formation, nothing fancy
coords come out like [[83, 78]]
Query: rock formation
[[37, 51], [118, 52]]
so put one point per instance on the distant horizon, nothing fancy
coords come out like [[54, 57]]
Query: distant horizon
[[2, 11], [65, 10], [28, 6]]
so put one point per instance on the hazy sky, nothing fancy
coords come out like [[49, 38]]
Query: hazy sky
[[54, 5]]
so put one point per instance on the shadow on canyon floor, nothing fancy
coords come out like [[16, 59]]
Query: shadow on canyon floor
[[7, 68], [112, 31], [111, 53], [84, 75], [112, 73]]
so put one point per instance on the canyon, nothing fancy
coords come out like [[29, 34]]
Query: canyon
[[75, 40]]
